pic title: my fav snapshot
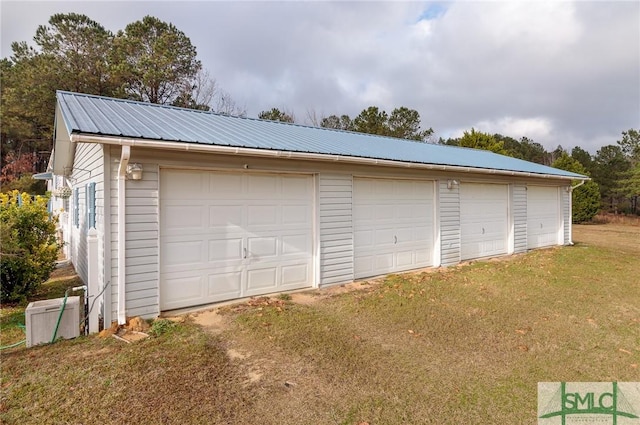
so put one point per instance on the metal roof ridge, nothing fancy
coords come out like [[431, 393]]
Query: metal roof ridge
[[293, 124]]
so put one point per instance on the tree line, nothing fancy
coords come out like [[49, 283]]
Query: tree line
[[149, 60], [153, 61]]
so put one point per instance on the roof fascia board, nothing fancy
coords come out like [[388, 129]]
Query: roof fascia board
[[64, 149], [228, 150]]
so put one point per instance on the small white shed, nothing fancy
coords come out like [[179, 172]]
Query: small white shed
[[192, 207]]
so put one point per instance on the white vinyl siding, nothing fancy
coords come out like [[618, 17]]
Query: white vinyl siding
[[566, 214], [336, 228], [393, 225], [519, 192], [142, 253], [449, 223], [88, 167], [484, 220]]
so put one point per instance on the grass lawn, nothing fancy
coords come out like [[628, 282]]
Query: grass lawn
[[465, 345]]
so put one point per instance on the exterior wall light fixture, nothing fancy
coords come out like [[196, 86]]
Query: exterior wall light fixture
[[134, 171]]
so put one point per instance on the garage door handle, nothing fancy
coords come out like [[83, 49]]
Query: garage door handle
[[244, 252], [483, 230], [395, 239]]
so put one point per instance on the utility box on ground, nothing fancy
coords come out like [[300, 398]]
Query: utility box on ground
[[41, 318]]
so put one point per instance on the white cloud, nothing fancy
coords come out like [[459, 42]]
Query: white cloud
[[538, 128], [557, 72]]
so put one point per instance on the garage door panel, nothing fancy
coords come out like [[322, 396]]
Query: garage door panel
[[423, 256], [363, 212], [224, 249], [183, 253], [241, 230], [484, 220], [405, 259], [299, 244], [182, 289], [295, 274], [384, 212], [294, 187], [259, 184], [183, 183], [363, 238], [393, 220], [224, 285], [260, 215], [226, 185], [261, 280], [384, 262], [226, 215], [363, 264], [182, 216], [383, 237], [295, 214], [262, 247], [543, 216]]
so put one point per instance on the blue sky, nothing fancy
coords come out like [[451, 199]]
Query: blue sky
[[561, 73]]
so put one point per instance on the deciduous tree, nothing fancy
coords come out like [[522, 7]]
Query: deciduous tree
[[342, 122]]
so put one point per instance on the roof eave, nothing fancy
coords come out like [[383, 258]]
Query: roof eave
[[268, 153]]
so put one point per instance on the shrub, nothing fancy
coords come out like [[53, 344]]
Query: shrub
[[29, 248]]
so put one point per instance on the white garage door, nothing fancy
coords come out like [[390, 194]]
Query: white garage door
[[393, 224], [230, 235], [543, 216], [484, 220]]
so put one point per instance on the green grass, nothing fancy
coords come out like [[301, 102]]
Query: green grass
[[466, 345], [12, 315]]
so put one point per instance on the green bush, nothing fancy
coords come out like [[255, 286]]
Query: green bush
[[161, 327], [29, 248]]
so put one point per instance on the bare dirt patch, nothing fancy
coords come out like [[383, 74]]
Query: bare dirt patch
[[212, 322]]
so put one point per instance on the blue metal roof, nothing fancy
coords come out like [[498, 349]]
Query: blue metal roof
[[95, 115]]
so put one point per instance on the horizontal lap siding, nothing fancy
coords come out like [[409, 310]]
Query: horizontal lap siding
[[519, 218], [566, 215], [88, 168], [449, 224], [336, 228], [142, 252]]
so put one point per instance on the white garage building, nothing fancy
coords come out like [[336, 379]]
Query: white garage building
[[190, 207]]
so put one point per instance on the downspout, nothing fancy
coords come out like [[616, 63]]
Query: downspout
[[578, 185], [571, 188], [122, 176]]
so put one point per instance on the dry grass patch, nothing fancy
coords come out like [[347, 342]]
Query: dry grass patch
[[461, 346], [182, 376]]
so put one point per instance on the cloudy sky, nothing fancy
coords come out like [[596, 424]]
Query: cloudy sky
[[561, 73]]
